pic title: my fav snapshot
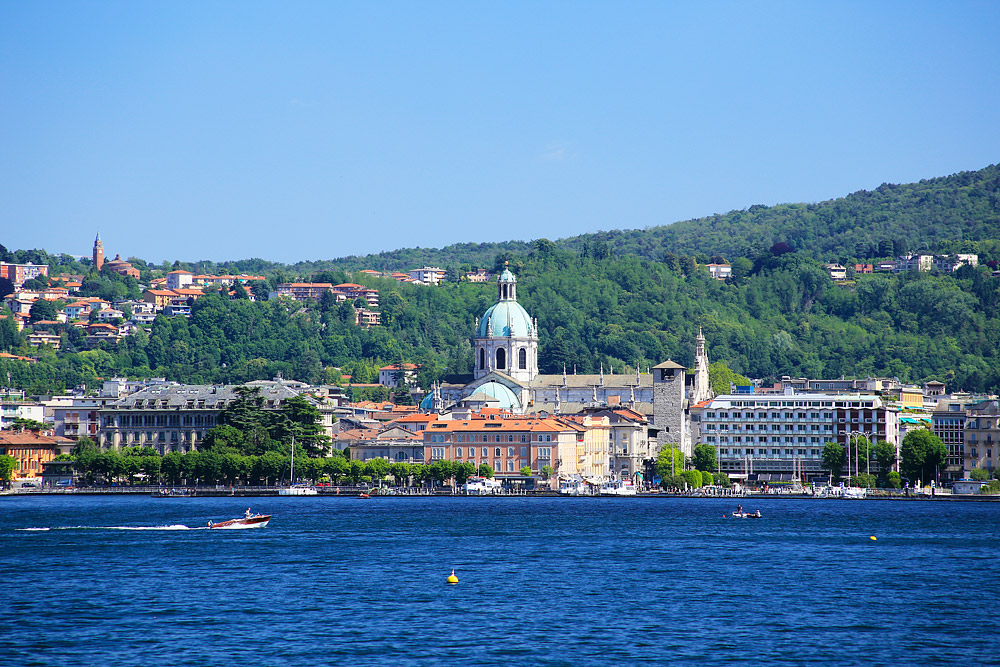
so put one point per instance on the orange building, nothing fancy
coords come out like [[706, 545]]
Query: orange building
[[31, 450]]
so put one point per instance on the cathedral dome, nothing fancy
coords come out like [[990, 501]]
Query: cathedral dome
[[507, 399], [505, 318]]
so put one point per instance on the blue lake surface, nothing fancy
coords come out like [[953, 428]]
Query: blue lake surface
[[546, 581]]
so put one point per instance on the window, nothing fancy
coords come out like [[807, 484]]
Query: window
[[510, 451], [510, 465], [486, 452], [524, 438], [501, 358], [524, 452], [522, 359], [437, 453], [482, 359], [458, 452], [496, 452]]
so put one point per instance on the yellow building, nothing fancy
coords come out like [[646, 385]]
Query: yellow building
[[31, 449]]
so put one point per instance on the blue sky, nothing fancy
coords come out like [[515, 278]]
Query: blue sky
[[297, 131]]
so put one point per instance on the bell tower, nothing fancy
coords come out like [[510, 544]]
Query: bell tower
[[98, 252]]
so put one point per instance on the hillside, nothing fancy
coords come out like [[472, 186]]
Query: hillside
[[949, 213], [620, 299]]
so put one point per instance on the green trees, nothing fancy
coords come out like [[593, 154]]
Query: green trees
[[705, 458], [486, 470], [834, 459], [979, 475], [7, 465], [43, 309], [547, 471], [885, 457], [922, 453]]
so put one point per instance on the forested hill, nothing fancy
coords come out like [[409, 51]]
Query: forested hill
[[942, 214], [939, 214]]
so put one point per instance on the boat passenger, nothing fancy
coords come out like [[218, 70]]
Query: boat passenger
[[248, 513]]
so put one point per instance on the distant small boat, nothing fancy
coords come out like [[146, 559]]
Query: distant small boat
[[363, 496], [746, 515], [249, 521]]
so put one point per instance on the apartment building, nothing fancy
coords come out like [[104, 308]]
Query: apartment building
[[982, 436], [19, 273], [303, 291], [786, 434]]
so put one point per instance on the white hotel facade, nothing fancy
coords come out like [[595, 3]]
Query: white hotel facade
[[787, 433]]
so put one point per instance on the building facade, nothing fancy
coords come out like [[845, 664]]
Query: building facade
[[174, 418], [982, 436], [786, 434]]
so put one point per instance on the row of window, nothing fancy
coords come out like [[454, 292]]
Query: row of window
[[765, 452], [738, 438], [490, 437], [133, 421], [766, 428]]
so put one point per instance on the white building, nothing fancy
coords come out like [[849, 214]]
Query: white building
[[787, 433], [427, 275]]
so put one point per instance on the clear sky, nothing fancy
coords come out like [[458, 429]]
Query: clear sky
[[297, 131]]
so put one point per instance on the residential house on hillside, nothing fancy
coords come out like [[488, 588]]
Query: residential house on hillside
[[393, 374], [720, 271], [303, 291], [427, 275], [19, 273], [179, 279]]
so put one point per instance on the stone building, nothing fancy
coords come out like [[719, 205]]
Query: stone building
[[174, 418]]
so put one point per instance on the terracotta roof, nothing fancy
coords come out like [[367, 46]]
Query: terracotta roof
[[31, 438]]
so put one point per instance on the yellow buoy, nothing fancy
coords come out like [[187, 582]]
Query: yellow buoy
[[452, 579], [873, 538]]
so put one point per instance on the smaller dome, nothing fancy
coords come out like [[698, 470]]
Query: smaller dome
[[508, 400], [507, 277], [427, 403]]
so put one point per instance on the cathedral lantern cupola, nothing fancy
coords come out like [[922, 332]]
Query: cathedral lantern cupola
[[506, 338]]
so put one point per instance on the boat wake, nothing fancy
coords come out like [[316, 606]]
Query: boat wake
[[176, 526]]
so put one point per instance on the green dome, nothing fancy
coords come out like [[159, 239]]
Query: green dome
[[506, 277], [508, 400], [428, 402], [505, 318]]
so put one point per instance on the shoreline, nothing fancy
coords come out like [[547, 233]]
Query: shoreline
[[353, 493]]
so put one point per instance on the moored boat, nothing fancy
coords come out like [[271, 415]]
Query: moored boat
[[621, 487]]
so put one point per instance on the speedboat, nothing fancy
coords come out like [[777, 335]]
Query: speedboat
[[248, 521]]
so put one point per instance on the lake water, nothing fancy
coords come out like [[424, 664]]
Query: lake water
[[553, 581]]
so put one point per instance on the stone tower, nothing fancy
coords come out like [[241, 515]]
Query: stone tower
[[669, 404], [506, 338], [98, 252]]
